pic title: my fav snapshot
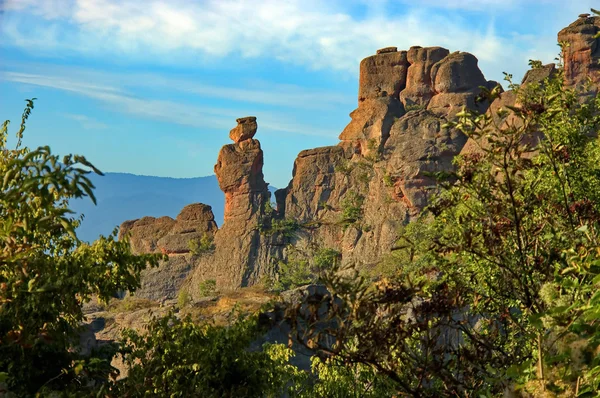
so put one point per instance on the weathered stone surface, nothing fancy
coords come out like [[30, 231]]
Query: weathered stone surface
[[172, 237], [245, 130], [313, 181], [386, 156], [456, 73], [538, 75], [239, 173], [449, 104], [582, 53], [419, 86], [387, 50], [370, 125], [241, 256], [418, 145], [382, 75], [145, 233]]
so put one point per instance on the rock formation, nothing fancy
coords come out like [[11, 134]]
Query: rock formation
[[354, 196], [245, 129], [581, 52], [172, 237]]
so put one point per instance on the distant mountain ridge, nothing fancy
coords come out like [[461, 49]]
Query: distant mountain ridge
[[123, 196]]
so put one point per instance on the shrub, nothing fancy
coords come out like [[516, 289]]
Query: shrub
[[344, 166], [351, 208], [183, 298], [304, 271], [287, 227], [46, 273], [207, 287], [178, 358], [388, 181], [201, 246]]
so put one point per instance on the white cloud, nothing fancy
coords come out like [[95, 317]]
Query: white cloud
[[318, 35]]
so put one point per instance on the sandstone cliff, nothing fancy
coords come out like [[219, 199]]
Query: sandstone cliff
[[354, 196]]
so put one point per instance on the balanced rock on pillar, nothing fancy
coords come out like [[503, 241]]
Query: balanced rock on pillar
[[245, 130]]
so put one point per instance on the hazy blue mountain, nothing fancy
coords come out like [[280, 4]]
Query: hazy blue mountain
[[122, 196]]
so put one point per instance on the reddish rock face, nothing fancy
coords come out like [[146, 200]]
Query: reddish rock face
[[245, 129], [383, 74], [456, 73], [419, 86], [370, 125], [240, 176], [582, 53], [314, 179]]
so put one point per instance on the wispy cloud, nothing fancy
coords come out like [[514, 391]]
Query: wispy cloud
[[87, 122], [311, 33], [200, 116]]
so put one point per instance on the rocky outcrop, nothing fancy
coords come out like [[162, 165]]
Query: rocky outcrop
[[581, 52], [172, 237], [168, 236], [456, 82], [352, 197], [239, 256], [383, 75]]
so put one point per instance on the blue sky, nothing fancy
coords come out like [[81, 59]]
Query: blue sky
[[153, 87]]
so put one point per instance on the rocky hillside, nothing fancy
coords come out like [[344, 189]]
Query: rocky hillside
[[352, 197]]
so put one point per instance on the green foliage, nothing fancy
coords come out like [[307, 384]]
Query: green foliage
[[535, 64], [413, 107], [388, 181], [270, 225], [208, 287], [203, 245], [335, 379], [287, 227], [46, 273], [178, 358], [344, 166], [351, 208], [183, 298], [302, 270], [374, 151]]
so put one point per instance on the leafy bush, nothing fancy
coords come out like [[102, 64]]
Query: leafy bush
[[388, 181], [413, 107], [304, 270], [183, 298], [205, 361], [201, 246], [46, 273], [344, 166], [287, 227], [351, 207], [208, 287]]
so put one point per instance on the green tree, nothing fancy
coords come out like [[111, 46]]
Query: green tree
[[46, 273]]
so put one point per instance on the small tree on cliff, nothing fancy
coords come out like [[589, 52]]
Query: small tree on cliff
[[46, 273]]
